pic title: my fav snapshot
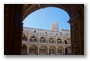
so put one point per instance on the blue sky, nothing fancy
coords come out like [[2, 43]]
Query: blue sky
[[43, 18]]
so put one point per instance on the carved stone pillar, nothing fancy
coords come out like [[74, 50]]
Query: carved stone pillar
[[77, 33], [12, 29]]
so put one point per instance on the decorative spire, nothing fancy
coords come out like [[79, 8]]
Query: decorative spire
[[54, 26]]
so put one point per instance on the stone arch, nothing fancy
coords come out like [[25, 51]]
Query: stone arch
[[52, 50], [43, 50], [24, 49], [27, 11], [33, 39], [20, 11], [33, 50], [68, 50], [60, 50], [24, 38], [42, 40], [59, 41], [76, 13], [51, 40]]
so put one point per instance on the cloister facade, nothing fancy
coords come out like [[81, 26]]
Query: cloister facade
[[46, 42]]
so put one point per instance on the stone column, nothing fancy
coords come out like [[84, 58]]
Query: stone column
[[55, 40], [13, 29], [38, 50], [64, 50], [28, 50], [47, 37], [77, 33], [48, 50], [28, 36], [56, 50], [62, 41], [37, 38]]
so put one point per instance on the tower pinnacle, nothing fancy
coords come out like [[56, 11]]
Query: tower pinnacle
[[54, 26]]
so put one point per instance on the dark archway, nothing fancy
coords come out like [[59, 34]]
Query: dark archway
[[76, 13], [65, 42], [66, 51], [24, 49], [15, 13]]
